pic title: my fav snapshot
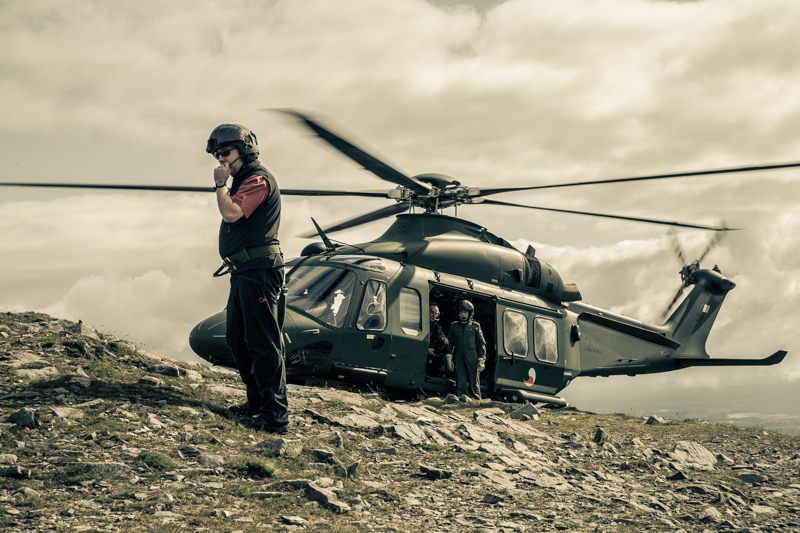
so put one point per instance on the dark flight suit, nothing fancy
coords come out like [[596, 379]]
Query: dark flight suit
[[467, 346], [252, 329], [435, 361]]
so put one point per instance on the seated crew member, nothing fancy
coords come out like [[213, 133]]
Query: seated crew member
[[437, 343]]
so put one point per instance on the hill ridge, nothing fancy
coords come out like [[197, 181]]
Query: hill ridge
[[97, 435]]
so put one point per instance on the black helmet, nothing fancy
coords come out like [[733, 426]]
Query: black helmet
[[237, 135], [466, 305]]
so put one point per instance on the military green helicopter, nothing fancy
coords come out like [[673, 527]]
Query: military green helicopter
[[357, 314]]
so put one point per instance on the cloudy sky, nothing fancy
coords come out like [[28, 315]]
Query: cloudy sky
[[495, 92]]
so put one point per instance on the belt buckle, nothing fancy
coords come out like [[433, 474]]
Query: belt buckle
[[230, 264]]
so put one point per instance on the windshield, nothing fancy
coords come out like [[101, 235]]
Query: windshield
[[322, 292]]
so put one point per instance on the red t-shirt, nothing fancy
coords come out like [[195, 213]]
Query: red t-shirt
[[251, 193]]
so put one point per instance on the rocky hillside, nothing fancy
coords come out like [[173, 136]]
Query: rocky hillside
[[96, 435]]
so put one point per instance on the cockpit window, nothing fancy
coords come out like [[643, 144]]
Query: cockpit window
[[373, 264], [372, 316], [322, 292]]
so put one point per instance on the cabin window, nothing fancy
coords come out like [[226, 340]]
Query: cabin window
[[545, 340], [515, 333], [322, 292], [410, 311], [372, 316]]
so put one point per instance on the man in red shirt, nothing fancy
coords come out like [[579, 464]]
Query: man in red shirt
[[249, 247]]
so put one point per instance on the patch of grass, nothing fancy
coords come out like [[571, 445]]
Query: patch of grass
[[156, 460], [120, 348], [252, 466], [106, 371], [431, 447]]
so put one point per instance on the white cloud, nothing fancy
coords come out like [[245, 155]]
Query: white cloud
[[492, 93]]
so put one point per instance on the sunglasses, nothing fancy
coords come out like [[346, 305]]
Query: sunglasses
[[225, 152]]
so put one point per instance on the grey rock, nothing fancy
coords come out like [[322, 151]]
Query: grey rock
[[211, 460], [492, 498], [677, 476], [387, 451], [26, 493], [38, 374], [528, 410], [293, 520], [753, 478], [409, 432], [326, 498], [652, 420], [8, 458], [151, 381], [220, 513], [110, 467], [435, 473], [281, 447], [25, 417], [763, 509], [324, 455], [352, 470], [266, 495], [490, 411], [167, 370], [82, 328], [709, 514], [15, 472], [450, 399], [82, 381], [601, 436], [694, 455]]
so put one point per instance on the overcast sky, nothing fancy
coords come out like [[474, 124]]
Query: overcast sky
[[492, 93]]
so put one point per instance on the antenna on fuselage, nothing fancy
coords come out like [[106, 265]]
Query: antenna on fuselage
[[329, 247]]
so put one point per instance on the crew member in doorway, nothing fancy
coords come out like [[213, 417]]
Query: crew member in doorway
[[248, 244], [466, 352], [438, 340]]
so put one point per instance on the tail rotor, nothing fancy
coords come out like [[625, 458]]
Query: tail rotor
[[688, 269]]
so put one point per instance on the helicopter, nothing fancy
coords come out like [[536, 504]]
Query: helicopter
[[355, 313]]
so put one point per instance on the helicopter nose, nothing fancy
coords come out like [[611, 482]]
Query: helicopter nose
[[207, 340]]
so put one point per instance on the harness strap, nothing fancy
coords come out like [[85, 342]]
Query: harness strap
[[234, 261]]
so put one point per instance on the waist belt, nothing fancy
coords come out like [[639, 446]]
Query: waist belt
[[234, 261]]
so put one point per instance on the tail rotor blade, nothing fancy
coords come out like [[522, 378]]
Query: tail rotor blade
[[712, 243]]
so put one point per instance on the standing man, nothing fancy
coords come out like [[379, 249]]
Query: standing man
[[467, 345], [249, 247]]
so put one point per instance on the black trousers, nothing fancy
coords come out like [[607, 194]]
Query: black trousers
[[254, 336]]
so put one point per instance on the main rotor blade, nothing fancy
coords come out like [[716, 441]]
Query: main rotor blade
[[617, 217], [360, 156], [322, 192], [120, 187], [175, 188], [361, 219], [728, 170]]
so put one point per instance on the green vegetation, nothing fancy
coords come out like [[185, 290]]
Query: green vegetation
[[156, 460]]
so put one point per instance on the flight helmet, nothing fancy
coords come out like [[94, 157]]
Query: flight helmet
[[466, 305], [237, 135]]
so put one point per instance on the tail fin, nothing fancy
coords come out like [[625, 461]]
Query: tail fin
[[691, 322]]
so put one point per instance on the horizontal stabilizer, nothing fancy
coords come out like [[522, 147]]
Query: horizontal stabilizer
[[773, 359]]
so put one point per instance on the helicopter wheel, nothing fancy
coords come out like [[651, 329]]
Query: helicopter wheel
[[503, 397]]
